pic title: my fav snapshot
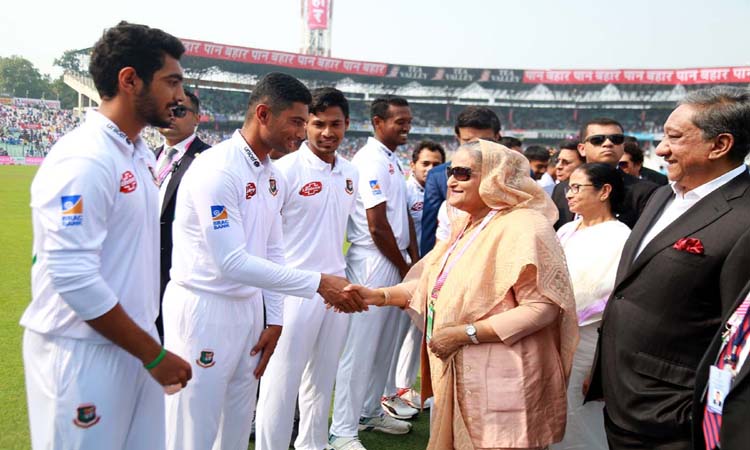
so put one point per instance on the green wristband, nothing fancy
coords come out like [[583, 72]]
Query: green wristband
[[156, 361]]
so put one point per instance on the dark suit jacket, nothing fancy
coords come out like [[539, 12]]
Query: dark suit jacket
[[654, 176], [637, 193], [735, 432], [435, 188], [665, 308], [167, 215]]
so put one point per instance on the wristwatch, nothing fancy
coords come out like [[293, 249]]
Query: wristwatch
[[471, 331]]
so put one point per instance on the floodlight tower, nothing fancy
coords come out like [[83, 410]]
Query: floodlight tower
[[316, 27]]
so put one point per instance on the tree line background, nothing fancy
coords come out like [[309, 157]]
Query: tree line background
[[20, 78]]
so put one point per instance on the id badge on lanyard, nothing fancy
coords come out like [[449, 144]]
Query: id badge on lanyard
[[430, 321]]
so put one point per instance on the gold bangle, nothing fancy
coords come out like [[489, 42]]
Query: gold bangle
[[387, 296]]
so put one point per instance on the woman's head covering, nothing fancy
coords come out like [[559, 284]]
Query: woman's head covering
[[506, 183]]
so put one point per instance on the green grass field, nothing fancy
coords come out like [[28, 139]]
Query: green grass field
[[15, 242]]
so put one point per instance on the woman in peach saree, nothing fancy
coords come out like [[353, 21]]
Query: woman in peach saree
[[497, 307]]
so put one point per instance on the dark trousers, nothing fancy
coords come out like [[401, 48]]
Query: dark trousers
[[621, 439]]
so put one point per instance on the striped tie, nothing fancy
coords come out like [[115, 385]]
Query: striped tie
[[711, 420]]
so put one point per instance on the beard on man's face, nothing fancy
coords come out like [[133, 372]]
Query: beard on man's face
[[147, 108]]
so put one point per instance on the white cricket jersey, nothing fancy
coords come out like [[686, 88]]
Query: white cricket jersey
[[95, 217], [415, 201], [317, 204], [380, 180], [227, 231]]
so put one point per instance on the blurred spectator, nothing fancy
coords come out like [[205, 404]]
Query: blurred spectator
[[632, 164]]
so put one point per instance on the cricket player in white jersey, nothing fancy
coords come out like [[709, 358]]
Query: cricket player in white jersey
[[383, 246], [320, 195], [95, 285], [227, 262], [405, 362]]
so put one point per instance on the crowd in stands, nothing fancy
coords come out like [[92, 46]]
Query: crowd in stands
[[33, 128]]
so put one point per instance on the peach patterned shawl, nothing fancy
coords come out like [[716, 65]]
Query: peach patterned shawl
[[520, 235]]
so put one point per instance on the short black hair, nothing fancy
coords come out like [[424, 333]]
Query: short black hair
[[635, 152], [536, 153], [379, 106], [510, 141], [278, 90], [193, 101], [597, 121], [570, 145], [430, 145], [600, 174], [327, 97], [130, 45], [479, 117]]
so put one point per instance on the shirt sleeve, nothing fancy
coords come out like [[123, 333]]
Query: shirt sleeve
[[373, 184], [534, 311], [71, 207], [272, 300], [217, 207]]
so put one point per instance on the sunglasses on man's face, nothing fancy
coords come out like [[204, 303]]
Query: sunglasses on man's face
[[459, 173], [600, 139], [180, 111]]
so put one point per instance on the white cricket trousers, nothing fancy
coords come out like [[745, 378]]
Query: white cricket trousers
[[215, 335], [406, 357], [364, 365], [87, 395], [304, 363]]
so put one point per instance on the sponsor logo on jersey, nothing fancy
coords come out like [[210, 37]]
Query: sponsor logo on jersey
[[417, 206], [272, 188], [391, 170], [206, 359], [249, 190], [252, 157], [86, 416], [72, 210], [375, 187], [349, 186], [311, 188], [128, 182], [219, 216]]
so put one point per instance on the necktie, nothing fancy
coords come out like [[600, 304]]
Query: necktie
[[712, 421], [165, 164]]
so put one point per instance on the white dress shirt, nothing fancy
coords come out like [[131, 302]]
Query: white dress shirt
[[181, 148], [683, 201]]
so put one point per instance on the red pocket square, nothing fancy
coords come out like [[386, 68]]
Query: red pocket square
[[690, 245]]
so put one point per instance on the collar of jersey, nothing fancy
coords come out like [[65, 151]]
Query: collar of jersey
[[317, 163], [374, 141], [239, 142], [412, 179], [99, 120]]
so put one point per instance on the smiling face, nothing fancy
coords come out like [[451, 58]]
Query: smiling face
[[608, 152], [464, 195], [154, 101], [393, 130], [285, 130], [325, 131], [685, 150]]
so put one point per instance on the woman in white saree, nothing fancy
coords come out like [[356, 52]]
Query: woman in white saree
[[592, 244]]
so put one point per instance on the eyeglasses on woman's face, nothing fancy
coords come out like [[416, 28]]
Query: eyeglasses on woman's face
[[459, 173], [575, 188]]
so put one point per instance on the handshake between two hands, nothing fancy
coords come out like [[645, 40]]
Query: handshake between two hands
[[339, 294]]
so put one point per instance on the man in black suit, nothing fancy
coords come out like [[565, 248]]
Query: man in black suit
[[602, 141], [172, 161], [632, 164], [677, 275], [474, 122], [733, 432]]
